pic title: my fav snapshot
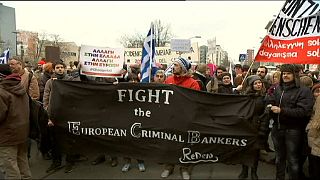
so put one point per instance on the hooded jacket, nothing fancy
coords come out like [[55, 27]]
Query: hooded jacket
[[14, 111], [294, 101]]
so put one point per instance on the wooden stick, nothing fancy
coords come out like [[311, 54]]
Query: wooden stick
[[247, 73]]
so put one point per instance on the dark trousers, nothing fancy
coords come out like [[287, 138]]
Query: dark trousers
[[56, 153], [287, 143], [128, 160], [314, 164]]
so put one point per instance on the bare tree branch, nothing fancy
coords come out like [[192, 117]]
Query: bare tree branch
[[162, 35], [41, 39]]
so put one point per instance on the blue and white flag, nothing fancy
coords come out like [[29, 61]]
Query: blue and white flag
[[4, 58], [231, 72], [148, 63]]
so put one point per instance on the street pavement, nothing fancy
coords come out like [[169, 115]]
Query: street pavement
[[84, 170]]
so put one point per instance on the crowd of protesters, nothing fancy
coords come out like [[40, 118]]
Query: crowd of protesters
[[290, 94]]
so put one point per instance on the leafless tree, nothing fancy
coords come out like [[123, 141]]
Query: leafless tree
[[40, 41], [56, 39], [162, 35], [132, 41]]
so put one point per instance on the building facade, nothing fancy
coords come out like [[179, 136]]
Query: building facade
[[7, 29], [203, 54]]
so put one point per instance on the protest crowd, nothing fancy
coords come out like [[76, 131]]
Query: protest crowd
[[289, 94]]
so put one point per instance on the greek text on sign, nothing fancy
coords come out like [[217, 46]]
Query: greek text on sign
[[101, 61]]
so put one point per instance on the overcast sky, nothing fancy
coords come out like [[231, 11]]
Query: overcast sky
[[237, 25]]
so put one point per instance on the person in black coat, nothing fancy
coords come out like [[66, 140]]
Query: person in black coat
[[226, 86], [254, 86], [291, 111]]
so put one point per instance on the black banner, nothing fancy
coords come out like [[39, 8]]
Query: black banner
[[165, 123]]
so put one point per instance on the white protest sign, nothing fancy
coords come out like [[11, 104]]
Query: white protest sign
[[182, 45], [101, 61], [164, 55]]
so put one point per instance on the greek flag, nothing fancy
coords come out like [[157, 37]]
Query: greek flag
[[231, 72], [4, 58], [148, 63]]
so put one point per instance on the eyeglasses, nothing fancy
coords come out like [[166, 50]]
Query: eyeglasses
[[159, 76]]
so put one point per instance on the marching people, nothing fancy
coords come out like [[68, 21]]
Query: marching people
[[305, 81], [133, 76], [240, 77], [39, 69], [291, 111], [208, 74], [181, 77], [46, 75], [200, 75], [14, 126], [254, 86], [313, 134], [274, 82], [262, 71], [45, 145], [159, 77], [226, 86], [102, 157], [213, 84], [28, 80], [59, 73]]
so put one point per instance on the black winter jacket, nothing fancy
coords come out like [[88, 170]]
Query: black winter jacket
[[296, 106]]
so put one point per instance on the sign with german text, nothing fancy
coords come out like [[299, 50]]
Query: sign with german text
[[164, 55], [294, 36], [160, 122], [101, 61]]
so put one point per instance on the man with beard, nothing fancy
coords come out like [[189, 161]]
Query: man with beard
[[216, 80], [28, 80], [181, 77], [61, 74], [291, 110], [262, 72]]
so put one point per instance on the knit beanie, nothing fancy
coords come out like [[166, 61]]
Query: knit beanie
[[252, 78], [185, 64]]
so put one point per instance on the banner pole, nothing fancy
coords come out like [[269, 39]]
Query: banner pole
[[151, 50], [247, 73]]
